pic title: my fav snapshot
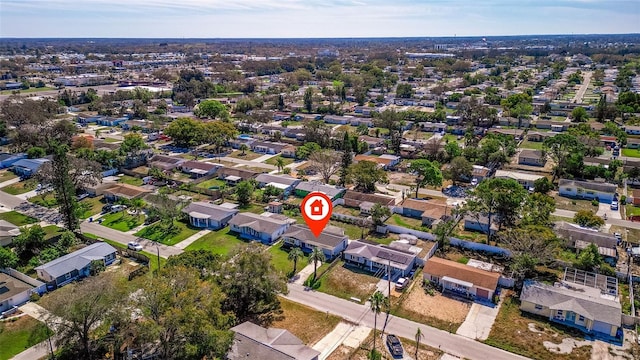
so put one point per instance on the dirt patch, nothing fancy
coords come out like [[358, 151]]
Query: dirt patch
[[304, 322], [402, 179], [348, 282], [438, 310]]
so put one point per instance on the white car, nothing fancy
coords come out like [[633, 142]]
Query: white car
[[134, 246], [474, 182], [614, 205], [401, 283]]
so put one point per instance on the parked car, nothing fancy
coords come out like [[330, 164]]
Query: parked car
[[82, 196], [614, 205], [117, 208], [134, 246], [401, 283], [107, 208], [474, 182], [394, 345]]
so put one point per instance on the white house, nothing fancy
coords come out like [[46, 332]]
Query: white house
[[524, 179], [603, 192]]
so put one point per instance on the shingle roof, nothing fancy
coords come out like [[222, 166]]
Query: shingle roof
[[126, 191], [381, 254], [359, 197], [259, 223], [77, 260], [531, 154], [8, 229], [312, 186], [253, 342], [481, 278], [206, 210], [191, 164], [280, 179], [583, 300], [603, 187], [327, 239], [572, 233]]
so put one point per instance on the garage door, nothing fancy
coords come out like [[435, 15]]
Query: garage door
[[601, 327], [482, 293]]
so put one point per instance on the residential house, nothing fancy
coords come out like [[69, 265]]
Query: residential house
[[558, 126], [583, 307], [8, 232], [165, 163], [632, 130], [16, 288], [335, 119], [109, 121], [525, 179], [479, 223], [436, 213], [603, 192], [365, 201], [532, 158], [279, 116], [633, 143], [305, 187], [75, 265], [6, 159], [125, 191], [253, 342], [371, 141], [433, 127], [385, 161], [332, 241], [461, 279], [289, 151], [479, 172], [27, 167], [636, 197], [540, 136], [509, 121], [286, 183], [205, 215], [375, 258], [578, 238], [267, 147], [610, 141], [232, 176], [198, 169], [515, 133], [266, 229], [357, 121]]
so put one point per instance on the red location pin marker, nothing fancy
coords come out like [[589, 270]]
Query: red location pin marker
[[316, 209]]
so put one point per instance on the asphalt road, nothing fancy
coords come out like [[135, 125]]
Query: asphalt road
[[360, 314]]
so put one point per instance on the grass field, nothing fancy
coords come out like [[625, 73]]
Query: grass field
[[218, 242], [281, 262], [304, 322], [156, 233], [126, 179], [573, 204], [51, 231], [632, 210], [274, 160], [631, 153], [17, 219], [94, 206], [17, 336], [47, 200], [535, 145], [20, 187], [346, 283], [215, 182], [29, 90], [6, 175], [122, 221], [111, 140]]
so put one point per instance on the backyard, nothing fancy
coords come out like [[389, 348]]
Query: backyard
[[404, 221], [159, 234], [218, 242], [126, 179], [304, 322], [349, 282], [122, 221], [17, 218], [19, 335], [532, 332], [211, 183], [535, 145]]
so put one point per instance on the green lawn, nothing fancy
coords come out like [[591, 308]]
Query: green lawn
[[156, 233], [126, 179], [218, 242], [632, 210], [631, 153], [6, 175], [248, 155], [51, 231], [95, 205], [17, 336], [281, 262], [20, 187], [207, 184], [17, 219], [273, 160], [409, 223], [47, 200], [535, 145], [346, 282], [352, 231], [111, 140], [122, 221]]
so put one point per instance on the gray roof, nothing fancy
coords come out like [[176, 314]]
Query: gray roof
[[312, 186], [206, 210], [280, 179], [573, 233], [77, 260], [328, 239], [583, 300], [602, 187], [253, 342], [8, 229], [531, 154], [260, 223], [381, 254]]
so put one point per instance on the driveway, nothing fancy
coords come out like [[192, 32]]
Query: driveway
[[606, 209], [479, 321]]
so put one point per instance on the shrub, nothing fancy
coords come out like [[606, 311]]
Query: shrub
[[623, 199], [595, 202], [34, 297]]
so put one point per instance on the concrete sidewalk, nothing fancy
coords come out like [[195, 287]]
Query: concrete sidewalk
[[480, 318], [191, 239], [343, 334], [304, 274]]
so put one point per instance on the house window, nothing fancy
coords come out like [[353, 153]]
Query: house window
[[559, 313], [67, 276], [581, 318], [538, 307]]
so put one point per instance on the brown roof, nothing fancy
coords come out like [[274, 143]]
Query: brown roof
[[375, 159], [480, 278], [531, 154], [436, 211], [192, 164], [126, 191], [244, 174]]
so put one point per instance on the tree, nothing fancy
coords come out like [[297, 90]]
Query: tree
[[303, 152], [378, 302], [579, 114], [537, 209], [543, 185], [316, 256], [518, 106], [36, 152], [279, 163], [366, 174], [530, 246], [379, 213], [459, 168], [243, 148], [168, 210], [132, 144], [67, 239], [185, 132], [308, 99], [85, 306], [295, 254], [559, 148], [325, 163], [252, 285], [244, 192], [29, 242], [404, 91], [428, 173], [280, 102], [8, 259], [588, 219], [452, 149], [183, 315], [211, 109], [418, 337], [589, 258]]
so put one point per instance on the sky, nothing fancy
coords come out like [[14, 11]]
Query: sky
[[313, 18]]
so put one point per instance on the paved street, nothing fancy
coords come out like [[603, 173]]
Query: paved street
[[360, 314], [583, 87]]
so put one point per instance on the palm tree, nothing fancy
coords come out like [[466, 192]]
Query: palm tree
[[244, 148], [137, 205], [316, 256], [294, 255], [418, 337], [280, 163], [378, 302]]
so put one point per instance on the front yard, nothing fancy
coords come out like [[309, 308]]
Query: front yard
[[17, 218], [573, 204], [631, 153], [6, 175], [122, 221], [20, 187], [523, 334], [348, 282], [157, 233], [19, 335], [93, 206], [304, 322], [279, 259], [218, 242], [248, 155], [274, 160], [47, 200]]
